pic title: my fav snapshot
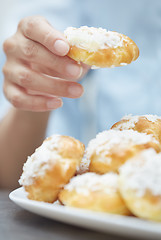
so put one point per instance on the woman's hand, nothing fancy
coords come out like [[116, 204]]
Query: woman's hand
[[37, 71]]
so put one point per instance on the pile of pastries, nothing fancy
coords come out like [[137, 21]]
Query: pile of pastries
[[119, 172]]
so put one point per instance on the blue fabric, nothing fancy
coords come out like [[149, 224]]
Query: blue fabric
[[109, 93]]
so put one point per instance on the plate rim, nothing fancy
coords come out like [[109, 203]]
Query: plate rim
[[126, 226]]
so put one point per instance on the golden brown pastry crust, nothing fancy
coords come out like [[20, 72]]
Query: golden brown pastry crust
[[147, 207], [109, 57], [98, 200], [112, 148], [47, 186], [143, 125], [139, 185], [117, 158]]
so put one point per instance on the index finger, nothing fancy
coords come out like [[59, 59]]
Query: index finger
[[39, 30]]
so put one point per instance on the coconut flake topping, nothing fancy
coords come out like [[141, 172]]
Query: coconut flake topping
[[143, 172], [92, 39], [110, 139], [40, 160], [132, 120], [91, 182], [84, 166]]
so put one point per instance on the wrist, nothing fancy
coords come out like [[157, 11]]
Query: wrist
[[28, 115]]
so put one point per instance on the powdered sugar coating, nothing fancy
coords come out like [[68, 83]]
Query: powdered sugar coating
[[91, 182], [92, 39], [41, 160], [132, 120], [113, 139], [142, 173]]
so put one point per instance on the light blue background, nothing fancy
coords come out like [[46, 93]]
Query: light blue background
[[109, 93]]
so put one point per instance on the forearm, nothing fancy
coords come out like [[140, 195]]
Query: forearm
[[20, 133], [38, 85]]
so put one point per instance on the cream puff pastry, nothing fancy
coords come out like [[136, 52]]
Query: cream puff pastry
[[140, 184], [100, 48], [94, 192], [50, 167], [149, 124], [110, 149]]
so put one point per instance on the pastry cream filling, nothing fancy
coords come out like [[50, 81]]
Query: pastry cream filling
[[93, 39], [142, 173]]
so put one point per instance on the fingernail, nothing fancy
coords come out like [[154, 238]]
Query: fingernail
[[74, 70], [75, 91], [61, 47], [54, 103]]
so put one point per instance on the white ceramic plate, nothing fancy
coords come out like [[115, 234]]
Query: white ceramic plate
[[120, 225]]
